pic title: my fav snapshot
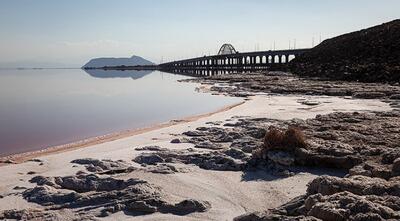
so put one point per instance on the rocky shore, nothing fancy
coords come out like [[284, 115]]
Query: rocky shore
[[364, 145]]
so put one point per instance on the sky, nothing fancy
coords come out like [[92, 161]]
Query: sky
[[69, 33]]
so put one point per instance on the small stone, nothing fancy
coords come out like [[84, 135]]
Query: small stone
[[310, 103], [176, 140], [36, 160], [19, 188]]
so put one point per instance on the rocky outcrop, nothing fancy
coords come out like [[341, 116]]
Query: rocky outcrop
[[216, 160], [369, 55], [331, 198], [103, 196], [40, 215], [104, 166]]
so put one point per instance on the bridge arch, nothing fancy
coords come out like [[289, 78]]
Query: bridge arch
[[227, 49]]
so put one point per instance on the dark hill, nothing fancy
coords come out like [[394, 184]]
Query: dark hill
[[369, 55]]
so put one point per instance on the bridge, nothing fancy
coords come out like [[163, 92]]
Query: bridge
[[230, 60]]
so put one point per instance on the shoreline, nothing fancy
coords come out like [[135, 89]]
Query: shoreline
[[26, 156]]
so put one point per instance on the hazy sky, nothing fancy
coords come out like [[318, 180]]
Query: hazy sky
[[72, 31]]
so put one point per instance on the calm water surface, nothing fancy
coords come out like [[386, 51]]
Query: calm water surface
[[42, 108]]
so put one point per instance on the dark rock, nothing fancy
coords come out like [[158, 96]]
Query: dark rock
[[150, 159], [236, 153], [281, 158], [246, 145], [396, 167], [19, 188], [149, 148], [41, 180], [369, 95], [95, 165], [360, 185], [190, 206], [194, 133], [208, 145], [46, 196], [176, 140], [36, 160], [395, 97], [141, 207], [27, 214], [91, 182], [102, 196], [347, 206], [215, 160]]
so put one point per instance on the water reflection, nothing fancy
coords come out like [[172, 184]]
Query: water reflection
[[206, 72], [133, 74], [41, 108]]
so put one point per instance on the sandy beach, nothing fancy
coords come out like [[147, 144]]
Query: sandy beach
[[230, 193]]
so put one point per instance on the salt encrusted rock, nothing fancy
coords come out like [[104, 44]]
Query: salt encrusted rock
[[395, 97], [208, 145], [38, 214], [149, 159], [369, 95], [102, 196], [150, 148], [47, 196], [360, 185], [280, 157], [189, 206], [193, 133], [216, 160], [99, 166]]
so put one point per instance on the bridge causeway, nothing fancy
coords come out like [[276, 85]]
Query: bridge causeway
[[228, 59]]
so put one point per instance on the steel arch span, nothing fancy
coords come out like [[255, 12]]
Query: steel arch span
[[227, 49]]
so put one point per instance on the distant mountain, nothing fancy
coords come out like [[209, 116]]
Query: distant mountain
[[102, 62]]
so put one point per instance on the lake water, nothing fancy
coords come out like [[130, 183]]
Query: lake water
[[48, 107]]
